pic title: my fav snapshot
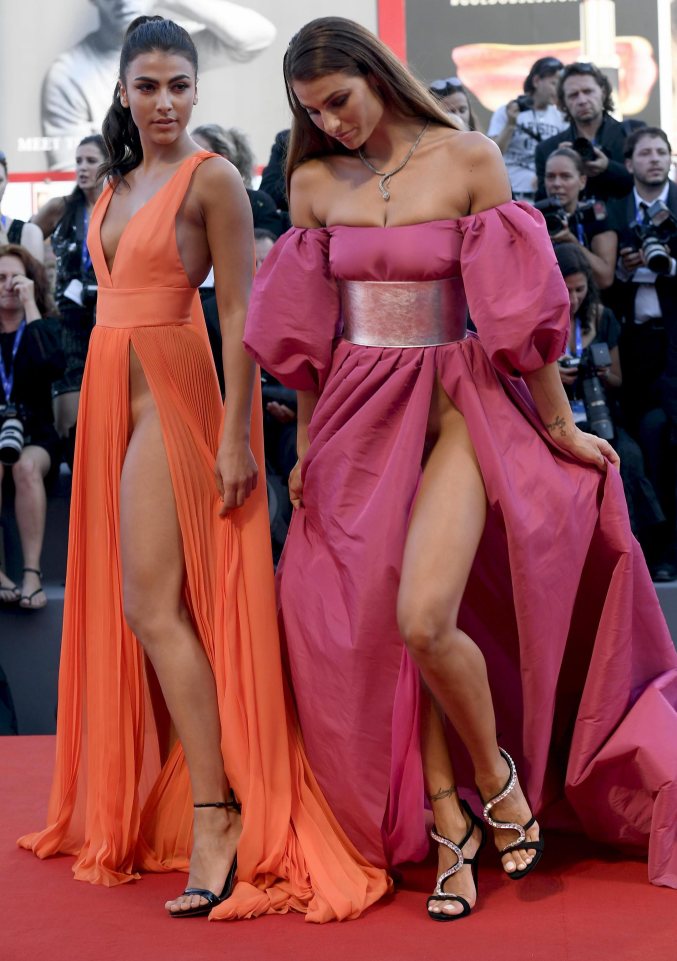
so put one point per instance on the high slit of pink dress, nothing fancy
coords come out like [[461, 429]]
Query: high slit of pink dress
[[582, 668]]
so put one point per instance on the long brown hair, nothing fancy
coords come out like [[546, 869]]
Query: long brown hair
[[35, 272], [337, 45]]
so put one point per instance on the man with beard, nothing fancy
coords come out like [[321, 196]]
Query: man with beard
[[78, 87], [646, 303], [584, 96]]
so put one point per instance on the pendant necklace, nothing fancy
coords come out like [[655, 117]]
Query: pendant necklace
[[386, 175]]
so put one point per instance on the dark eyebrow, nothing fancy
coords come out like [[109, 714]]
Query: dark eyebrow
[[181, 76], [326, 99]]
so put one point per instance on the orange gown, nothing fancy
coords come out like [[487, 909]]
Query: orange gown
[[114, 804]]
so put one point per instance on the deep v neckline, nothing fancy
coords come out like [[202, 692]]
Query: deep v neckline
[[144, 206]]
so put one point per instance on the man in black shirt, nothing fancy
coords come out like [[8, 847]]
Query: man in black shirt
[[584, 96]]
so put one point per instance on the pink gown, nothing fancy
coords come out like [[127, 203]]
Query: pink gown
[[582, 668]]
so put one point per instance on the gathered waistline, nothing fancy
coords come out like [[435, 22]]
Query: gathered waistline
[[403, 313]]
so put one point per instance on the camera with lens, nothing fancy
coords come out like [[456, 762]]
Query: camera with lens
[[585, 149], [89, 292], [524, 102], [654, 234], [556, 218], [11, 434], [589, 387]]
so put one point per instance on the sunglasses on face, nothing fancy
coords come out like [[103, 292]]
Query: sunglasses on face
[[442, 88]]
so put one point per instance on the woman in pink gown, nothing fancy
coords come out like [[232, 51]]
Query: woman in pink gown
[[453, 523]]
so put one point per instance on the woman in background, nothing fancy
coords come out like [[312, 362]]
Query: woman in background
[[454, 98], [14, 231], [66, 221]]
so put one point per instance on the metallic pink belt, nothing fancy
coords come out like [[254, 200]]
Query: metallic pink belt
[[409, 313]]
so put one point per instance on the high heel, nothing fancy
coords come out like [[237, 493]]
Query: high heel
[[439, 893], [212, 899], [521, 844]]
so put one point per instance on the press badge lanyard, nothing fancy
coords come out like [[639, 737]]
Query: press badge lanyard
[[579, 338], [86, 260], [6, 378]]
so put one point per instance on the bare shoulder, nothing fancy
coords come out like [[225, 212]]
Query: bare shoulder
[[216, 175], [480, 164], [307, 182], [471, 146]]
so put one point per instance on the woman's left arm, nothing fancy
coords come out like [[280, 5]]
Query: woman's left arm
[[552, 404], [228, 220]]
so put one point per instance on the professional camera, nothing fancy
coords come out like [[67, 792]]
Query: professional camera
[[590, 388], [89, 292], [585, 149], [11, 434], [654, 234], [556, 218], [524, 102]]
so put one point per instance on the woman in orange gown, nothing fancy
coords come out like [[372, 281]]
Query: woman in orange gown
[[160, 556]]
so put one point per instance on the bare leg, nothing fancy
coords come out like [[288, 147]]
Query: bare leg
[[30, 505], [9, 592], [444, 534], [450, 821], [153, 577], [66, 411]]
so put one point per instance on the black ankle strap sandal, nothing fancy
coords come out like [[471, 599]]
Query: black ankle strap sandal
[[212, 899]]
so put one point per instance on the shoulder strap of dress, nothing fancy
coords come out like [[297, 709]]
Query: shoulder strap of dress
[[182, 179]]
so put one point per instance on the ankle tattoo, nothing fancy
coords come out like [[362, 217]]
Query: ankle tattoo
[[444, 792]]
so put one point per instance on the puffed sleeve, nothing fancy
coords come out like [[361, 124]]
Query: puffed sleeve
[[294, 311], [516, 295]]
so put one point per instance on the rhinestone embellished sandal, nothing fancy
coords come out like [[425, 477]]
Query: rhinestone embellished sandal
[[521, 844], [212, 899], [439, 893]]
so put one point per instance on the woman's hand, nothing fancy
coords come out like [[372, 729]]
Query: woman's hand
[[296, 486], [587, 448], [24, 288], [236, 474]]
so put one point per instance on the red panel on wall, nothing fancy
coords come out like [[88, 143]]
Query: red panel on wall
[[392, 26]]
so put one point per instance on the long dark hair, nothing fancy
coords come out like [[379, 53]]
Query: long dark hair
[[583, 69], [76, 197], [35, 272], [119, 130], [572, 260], [337, 45]]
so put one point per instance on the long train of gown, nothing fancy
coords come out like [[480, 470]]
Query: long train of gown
[[582, 669], [114, 804]]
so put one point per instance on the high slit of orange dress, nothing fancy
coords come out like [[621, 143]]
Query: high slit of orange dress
[[114, 804]]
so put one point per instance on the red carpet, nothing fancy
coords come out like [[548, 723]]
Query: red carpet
[[583, 904]]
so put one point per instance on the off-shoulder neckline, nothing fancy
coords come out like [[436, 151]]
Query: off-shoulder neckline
[[422, 223]]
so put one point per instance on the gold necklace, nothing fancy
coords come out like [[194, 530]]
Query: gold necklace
[[386, 175]]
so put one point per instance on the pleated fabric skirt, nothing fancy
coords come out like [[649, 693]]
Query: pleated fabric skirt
[[119, 803]]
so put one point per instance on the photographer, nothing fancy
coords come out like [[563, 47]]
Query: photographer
[[645, 295], [521, 124], [65, 220], [570, 220], [30, 359], [584, 96], [591, 374]]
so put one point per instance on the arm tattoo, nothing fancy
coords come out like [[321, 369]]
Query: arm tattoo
[[558, 424]]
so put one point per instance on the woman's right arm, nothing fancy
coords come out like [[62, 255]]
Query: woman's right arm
[[304, 182]]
